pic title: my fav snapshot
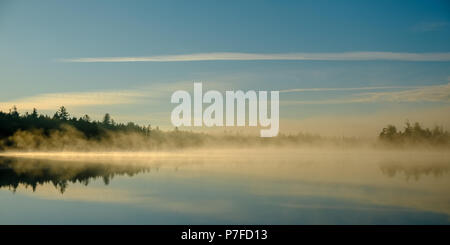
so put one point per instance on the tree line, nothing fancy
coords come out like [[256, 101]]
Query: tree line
[[13, 121], [415, 134], [34, 131], [14, 124]]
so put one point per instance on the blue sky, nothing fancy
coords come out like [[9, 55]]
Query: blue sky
[[39, 39]]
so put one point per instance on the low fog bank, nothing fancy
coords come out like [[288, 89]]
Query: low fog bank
[[69, 139], [41, 133]]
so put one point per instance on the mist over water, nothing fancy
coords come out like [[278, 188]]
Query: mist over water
[[126, 174], [292, 112], [264, 185]]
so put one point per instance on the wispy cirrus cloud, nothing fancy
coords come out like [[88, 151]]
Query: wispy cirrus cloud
[[344, 56], [433, 93], [344, 89], [51, 101], [155, 92], [430, 26]]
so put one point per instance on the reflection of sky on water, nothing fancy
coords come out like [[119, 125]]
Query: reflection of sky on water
[[218, 188]]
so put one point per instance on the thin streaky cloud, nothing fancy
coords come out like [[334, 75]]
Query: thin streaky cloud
[[345, 89], [430, 26], [323, 102], [433, 93], [50, 101], [345, 56]]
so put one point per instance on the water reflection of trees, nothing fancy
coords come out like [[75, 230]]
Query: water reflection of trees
[[34, 172], [414, 170]]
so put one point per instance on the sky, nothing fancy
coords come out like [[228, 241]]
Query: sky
[[342, 67]]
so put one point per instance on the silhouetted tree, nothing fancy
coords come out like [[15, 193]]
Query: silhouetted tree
[[14, 112], [107, 119], [34, 114], [389, 133], [61, 114]]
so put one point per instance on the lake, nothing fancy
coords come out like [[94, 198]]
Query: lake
[[226, 186]]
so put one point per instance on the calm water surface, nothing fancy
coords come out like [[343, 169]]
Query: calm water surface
[[259, 186]]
